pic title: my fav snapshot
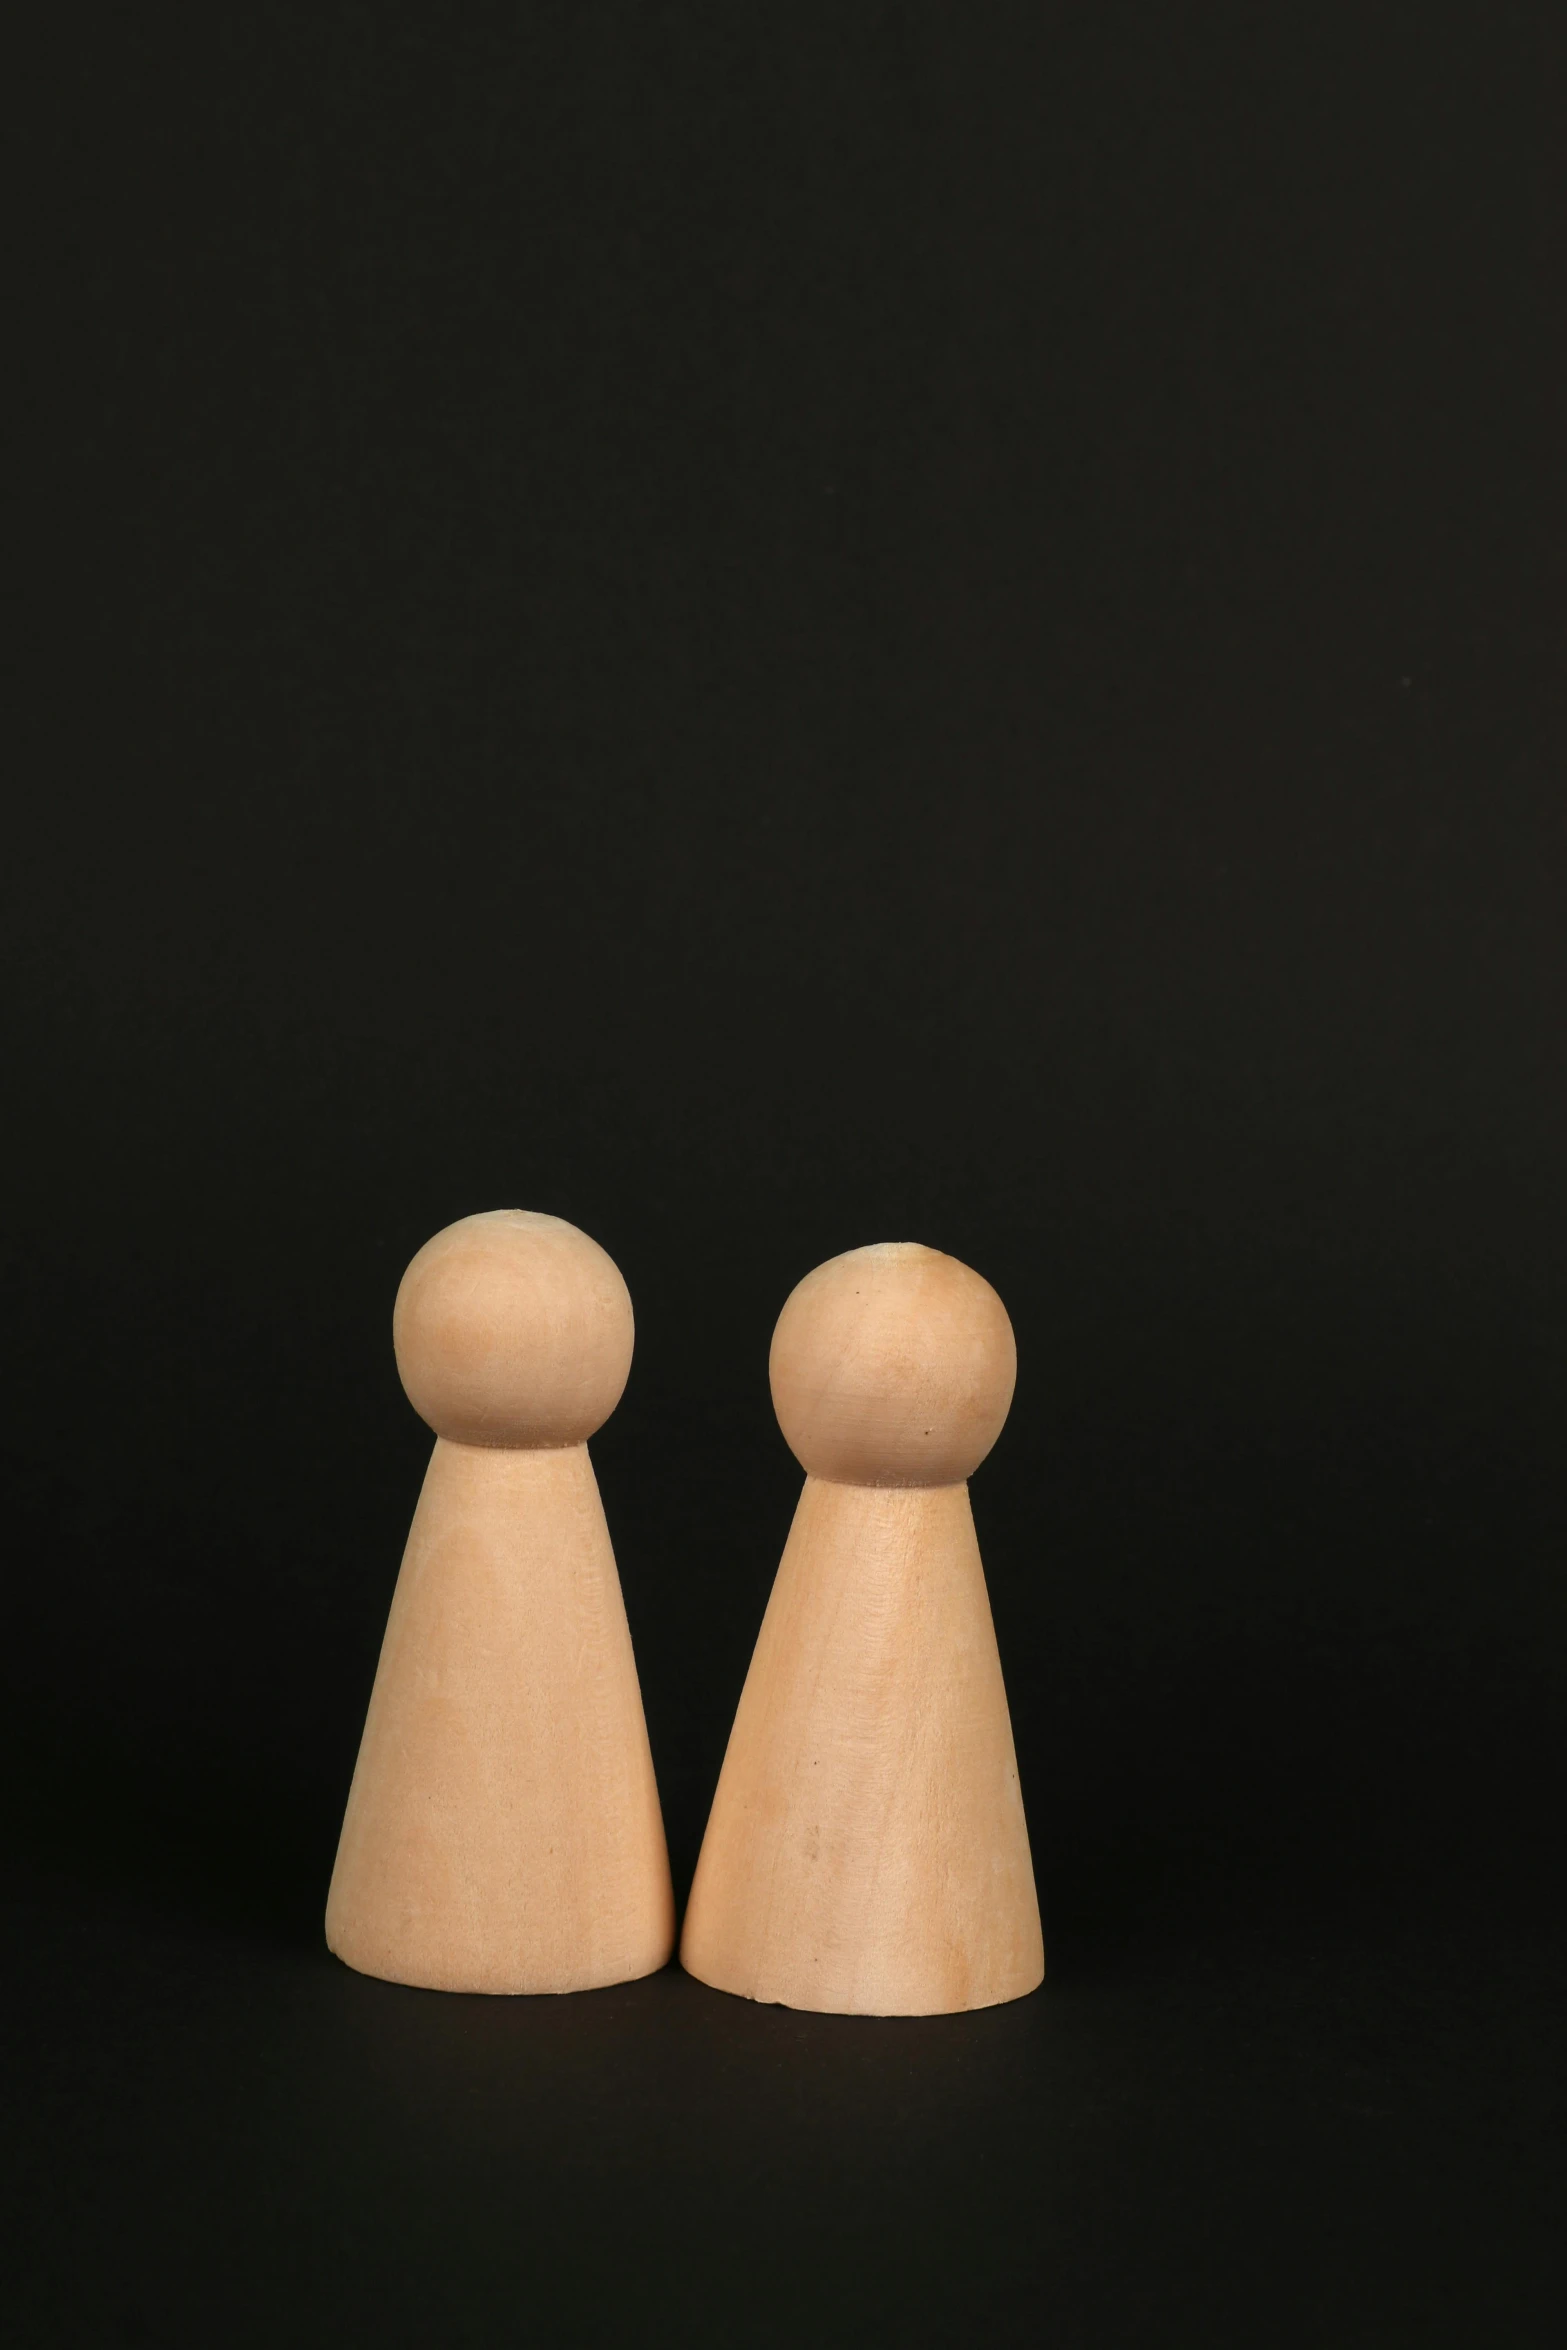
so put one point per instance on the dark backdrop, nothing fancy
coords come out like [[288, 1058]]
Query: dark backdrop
[[768, 630]]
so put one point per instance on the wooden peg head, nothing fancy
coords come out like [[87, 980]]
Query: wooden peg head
[[513, 1329], [893, 1365]]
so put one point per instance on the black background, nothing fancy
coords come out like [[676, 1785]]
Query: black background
[[769, 629]]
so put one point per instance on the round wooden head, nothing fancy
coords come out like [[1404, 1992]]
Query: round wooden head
[[893, 1365], [513, 1329]]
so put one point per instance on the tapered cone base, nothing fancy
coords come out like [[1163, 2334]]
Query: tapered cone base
[[867, 1852], [503, 1829]]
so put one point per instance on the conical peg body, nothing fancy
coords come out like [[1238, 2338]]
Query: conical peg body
[[503, 1830], [867, 1851]]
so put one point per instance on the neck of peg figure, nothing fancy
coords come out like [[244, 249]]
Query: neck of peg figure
[[875, 1546]]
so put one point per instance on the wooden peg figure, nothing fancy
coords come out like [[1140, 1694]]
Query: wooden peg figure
[[503, 1830], [867, 1852]]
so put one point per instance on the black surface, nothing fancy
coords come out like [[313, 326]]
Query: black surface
[[769, 632]]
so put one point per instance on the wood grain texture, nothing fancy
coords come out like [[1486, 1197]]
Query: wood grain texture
[[867, 1852]]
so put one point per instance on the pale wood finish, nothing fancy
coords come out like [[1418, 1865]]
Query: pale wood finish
[[867, 1851], [514, 1329], [893, 1365], [503, 1830]]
